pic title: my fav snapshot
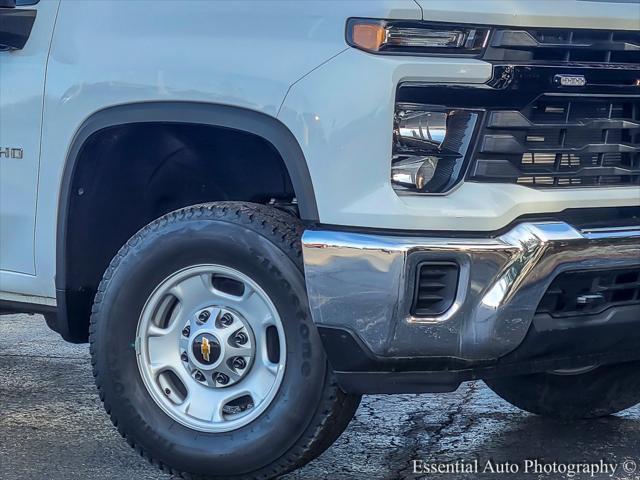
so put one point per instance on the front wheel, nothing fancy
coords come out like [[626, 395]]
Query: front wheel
[[204, 351], [580, 394]]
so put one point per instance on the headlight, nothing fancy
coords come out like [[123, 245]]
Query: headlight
[[430, 145], [414, 37]]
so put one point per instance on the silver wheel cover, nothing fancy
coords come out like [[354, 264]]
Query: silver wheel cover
[[211, 348]]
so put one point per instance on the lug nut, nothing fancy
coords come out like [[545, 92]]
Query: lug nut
[[186, 331], [241, 338], [183, 357], [222, 379], [239, 363], [226, 319], [199, 376], [204, 316]]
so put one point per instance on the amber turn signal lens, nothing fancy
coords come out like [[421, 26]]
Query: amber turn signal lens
[[368, 36]]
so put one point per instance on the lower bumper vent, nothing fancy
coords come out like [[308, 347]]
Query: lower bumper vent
[[435, 289]]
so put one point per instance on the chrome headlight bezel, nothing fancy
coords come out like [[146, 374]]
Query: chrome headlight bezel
[[425, 163]]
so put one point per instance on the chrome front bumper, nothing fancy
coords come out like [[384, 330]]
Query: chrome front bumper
[[359, 283]]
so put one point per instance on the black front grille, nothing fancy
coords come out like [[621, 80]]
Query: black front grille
[[435, 289], [591, 292], [562, 141], [564, 45]]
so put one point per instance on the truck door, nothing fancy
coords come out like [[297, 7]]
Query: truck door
[[26, 28]]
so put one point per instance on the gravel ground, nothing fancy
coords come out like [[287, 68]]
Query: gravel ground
[[52, 426]]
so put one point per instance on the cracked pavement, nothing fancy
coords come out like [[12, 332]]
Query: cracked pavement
[[52, 426]]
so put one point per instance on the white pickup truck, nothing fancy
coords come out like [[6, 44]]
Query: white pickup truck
[[258, 211]]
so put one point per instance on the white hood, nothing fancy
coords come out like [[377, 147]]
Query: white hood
[[597, 14]]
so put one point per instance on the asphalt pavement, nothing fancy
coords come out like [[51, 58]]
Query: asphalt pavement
[[53, 427]]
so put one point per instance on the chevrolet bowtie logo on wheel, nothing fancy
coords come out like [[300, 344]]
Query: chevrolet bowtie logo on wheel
[[205, 348]]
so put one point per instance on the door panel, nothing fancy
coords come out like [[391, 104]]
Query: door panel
[[22, 77]]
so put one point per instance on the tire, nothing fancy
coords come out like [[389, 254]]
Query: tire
[[596, 393], [308, 411]]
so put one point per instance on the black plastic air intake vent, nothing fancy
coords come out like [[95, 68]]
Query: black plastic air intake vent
[[435, 289], [558, 142], [591, 292]]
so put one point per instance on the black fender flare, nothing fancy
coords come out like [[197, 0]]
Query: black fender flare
[[235, 118]]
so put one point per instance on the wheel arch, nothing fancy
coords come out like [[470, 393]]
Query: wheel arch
[[239, 119]]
